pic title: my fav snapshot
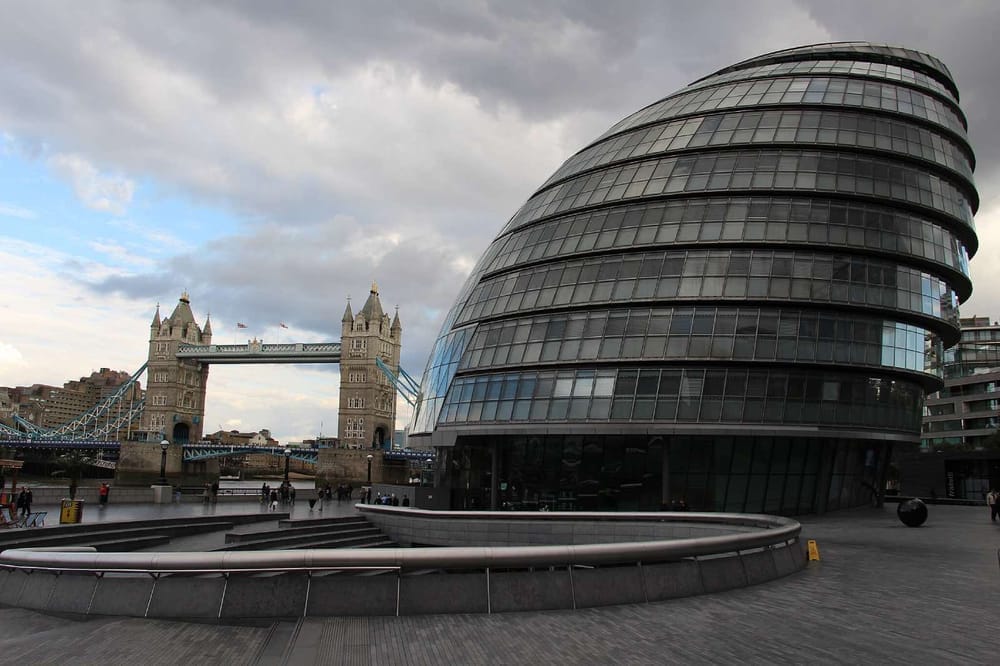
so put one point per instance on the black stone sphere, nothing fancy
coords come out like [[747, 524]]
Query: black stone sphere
[[912, 512]]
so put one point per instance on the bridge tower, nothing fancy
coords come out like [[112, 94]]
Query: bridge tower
[[367, 399], [175, 388]]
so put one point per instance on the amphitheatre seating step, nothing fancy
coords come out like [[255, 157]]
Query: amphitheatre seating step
[[127, 544], [368, 542], [372, 541], [308, 540], [284, 532], [8, 537], [384, 543], [109, 532], [307, 522]]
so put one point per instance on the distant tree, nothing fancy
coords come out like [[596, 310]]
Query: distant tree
[[71, 465]]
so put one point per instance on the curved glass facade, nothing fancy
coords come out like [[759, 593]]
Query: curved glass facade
[[736, 297]]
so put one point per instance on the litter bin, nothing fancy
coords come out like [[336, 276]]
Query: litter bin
[[70, 511]]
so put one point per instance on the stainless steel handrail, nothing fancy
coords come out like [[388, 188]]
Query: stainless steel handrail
[[761, 520], [775, 531], [223, 572]]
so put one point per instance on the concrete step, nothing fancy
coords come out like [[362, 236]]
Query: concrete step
[[380, 542], [384, 543], [240, 537], [12, 535], [128, 545], [306, 522], [277, 541], [100, 532], [371, 541]]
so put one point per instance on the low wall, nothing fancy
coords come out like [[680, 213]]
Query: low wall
[[421, 497], [240, 586], [533, 528], [48, 495]]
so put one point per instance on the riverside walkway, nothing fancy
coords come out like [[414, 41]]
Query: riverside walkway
[[882, 593]]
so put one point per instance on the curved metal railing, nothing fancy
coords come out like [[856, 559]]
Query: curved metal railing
[[771, 531]]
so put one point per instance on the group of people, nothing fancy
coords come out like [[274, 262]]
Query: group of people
[[285, 494], [390, 500], [210, 493], [343, 491]]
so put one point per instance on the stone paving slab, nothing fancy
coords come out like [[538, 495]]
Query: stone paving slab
[[32, 638], [882, 594]]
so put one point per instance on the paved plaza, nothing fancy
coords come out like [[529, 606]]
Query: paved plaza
[[93, 513], [882, 593]]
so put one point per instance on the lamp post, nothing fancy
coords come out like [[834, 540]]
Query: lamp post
[[370, 458], [288, 457], [163, 462]]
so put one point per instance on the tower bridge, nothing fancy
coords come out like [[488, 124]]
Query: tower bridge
[[181, 353], [172, 408]]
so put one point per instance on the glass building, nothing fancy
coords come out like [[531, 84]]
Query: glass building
[[736, 297]]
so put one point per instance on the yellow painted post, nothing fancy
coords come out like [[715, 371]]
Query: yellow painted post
[[813, 550]]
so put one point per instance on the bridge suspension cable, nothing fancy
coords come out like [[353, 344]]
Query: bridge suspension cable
[[11, 432], [105, 418], [28, 427], [406, 385]]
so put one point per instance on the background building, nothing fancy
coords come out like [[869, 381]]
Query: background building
[[960, 451], [735, 297], [51, 406]]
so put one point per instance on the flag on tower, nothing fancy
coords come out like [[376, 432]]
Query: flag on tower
[[240, 324], [282, 325]]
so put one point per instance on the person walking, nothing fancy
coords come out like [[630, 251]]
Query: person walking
[[993, 502], [22, 498], [102, 494]]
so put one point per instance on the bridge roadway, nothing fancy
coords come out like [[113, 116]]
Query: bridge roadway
[[882, 593]]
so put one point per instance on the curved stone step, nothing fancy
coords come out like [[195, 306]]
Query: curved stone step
[[277, 541]]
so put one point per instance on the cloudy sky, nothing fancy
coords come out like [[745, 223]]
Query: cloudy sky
[[275, 158]]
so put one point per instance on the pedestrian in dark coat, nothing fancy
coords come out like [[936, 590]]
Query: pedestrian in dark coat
[[22, 501], [28, 499]]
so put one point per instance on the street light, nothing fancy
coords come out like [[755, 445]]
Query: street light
[[163, 462], [370, 458], [288, 457]]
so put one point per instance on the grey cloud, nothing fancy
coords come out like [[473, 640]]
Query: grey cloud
[[193, 95], [956, 32], [303, 278]]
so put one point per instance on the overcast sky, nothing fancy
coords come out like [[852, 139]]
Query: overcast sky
[[275, 158]]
